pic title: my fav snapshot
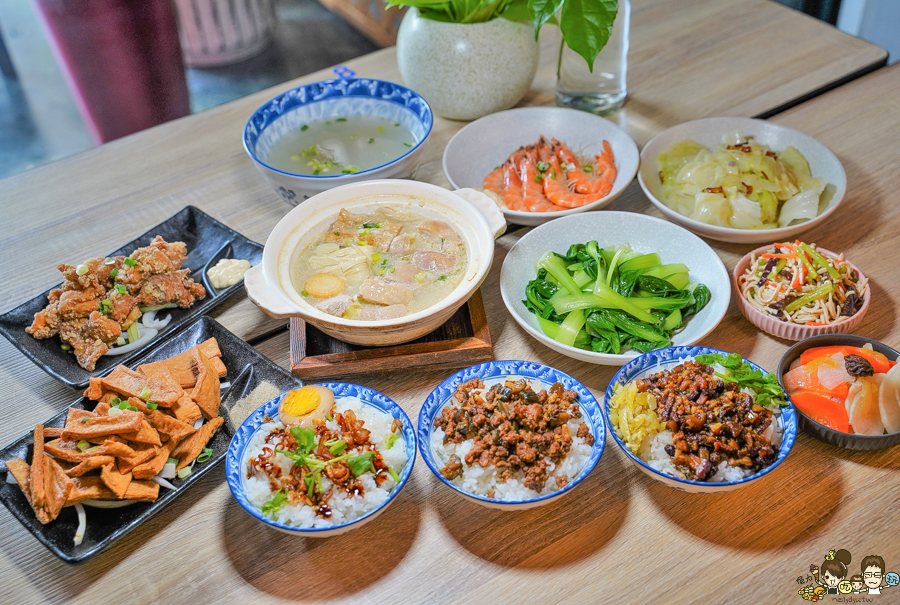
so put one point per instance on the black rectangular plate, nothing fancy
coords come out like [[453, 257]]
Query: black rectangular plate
[[207, 241], [247, 368]]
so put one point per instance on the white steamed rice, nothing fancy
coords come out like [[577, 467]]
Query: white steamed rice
[[343, 507], [477, 480]]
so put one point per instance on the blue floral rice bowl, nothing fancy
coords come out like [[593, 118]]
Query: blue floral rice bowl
[[344, 97], [342, 511], [653, 461], [474, 479]]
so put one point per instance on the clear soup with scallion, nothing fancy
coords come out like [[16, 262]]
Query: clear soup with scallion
[[340, 145]]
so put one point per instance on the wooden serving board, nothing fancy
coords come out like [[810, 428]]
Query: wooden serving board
[[464, 340]]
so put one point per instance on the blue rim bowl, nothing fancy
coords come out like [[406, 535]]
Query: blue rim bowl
[[234, 458], [328, 98], [538, 372], [661, 359]]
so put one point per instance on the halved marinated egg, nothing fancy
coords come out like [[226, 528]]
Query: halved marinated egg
[[300, 407]]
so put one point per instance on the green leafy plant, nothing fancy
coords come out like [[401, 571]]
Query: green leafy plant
[[585, 24]]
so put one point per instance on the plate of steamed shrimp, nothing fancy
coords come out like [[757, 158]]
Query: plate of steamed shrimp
[[540, 163]]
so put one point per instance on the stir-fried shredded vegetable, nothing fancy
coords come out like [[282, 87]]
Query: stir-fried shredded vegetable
[[612, 300], [797, 284], [741, 184]]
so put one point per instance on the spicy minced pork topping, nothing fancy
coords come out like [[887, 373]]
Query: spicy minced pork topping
[[514, 428], [712, 421], [341, 456]]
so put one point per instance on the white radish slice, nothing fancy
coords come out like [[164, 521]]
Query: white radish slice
[[865, 415], [833, 373], [889, 400], [82, 524], [795, 364]]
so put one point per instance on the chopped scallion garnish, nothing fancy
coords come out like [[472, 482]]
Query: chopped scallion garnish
[[120, 289], [340, 120], [115, 401], [123, 405], [81, 270], [133, 332], [145, 393], [114, 272], [185, 472], [305, 127], [84, 445], [131, 408], [130, 262], [205, 455], [394, 475], [109, 261], [391, 439], [65, 347], [151, 405], [172, 461], [371, 141], [84, 420]]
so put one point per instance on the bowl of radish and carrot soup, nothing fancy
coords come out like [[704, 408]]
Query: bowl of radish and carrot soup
[[846, 390]]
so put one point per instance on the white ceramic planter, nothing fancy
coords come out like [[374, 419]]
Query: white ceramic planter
[[467, 70]]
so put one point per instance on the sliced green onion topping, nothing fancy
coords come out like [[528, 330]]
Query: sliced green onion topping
[[340, 120], [371, 141], [392, 438], [131, 408], [114, 272], [394, 475], [123, 405], [65, 347], [172, 461], [84, 445], [205, 455], [185, 472], [130, 262], [109, 261], [133, 332], [145, 393], [120, 289], [84, 420], [120, 341], [115, 401], [81, 270], [151, 405]]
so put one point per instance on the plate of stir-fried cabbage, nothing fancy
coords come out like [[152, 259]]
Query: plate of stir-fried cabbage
[[741, 180]]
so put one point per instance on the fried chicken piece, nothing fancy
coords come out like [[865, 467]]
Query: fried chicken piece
[[165, 288]]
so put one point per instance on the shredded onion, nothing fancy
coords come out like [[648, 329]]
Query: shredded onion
[[159, 480], [147, 334], [82, 524], [108, 503], [149, 320]]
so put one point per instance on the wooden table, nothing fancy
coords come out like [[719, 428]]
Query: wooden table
[[620, 535]]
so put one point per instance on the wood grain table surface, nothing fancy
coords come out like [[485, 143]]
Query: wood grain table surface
[[619, 535]]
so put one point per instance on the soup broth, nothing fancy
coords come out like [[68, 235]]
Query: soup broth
[[381, 265], [340, 145]]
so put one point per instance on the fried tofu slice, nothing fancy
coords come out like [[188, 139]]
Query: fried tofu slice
[[107, 397], [219, 366], [22, 472], [58, 487], [114, 480], [38, 480], [191, 447], [154, 465], [102, 409], [85, 425], [142, 491], [181, 366], [90, 464], [168, 427], [68, 450], [132, 384], [142, 453], [186, 410], [206, 391], [95, 389], [53, 432], [90, 487], [162, 383], [146, 434]]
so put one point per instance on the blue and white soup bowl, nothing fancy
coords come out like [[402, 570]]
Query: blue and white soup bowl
[[664, 359], [236, 459], [345, 97], [542, 377]]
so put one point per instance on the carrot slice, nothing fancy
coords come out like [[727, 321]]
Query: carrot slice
[[823, 410], [879, 362]]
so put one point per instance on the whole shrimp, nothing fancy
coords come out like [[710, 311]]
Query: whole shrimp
[[598, 178]]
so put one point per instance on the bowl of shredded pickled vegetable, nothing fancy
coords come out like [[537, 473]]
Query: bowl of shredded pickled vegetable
[[795, 290], [741, 180]]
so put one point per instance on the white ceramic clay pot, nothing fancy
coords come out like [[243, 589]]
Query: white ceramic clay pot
[[467, 70], [475, 216]]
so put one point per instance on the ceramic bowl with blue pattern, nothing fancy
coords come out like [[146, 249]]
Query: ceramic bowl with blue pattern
[[347, 98], [236, 459], [540, 377], [664, 359]]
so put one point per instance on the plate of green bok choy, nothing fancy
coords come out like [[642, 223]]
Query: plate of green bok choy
[[604, 287]]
